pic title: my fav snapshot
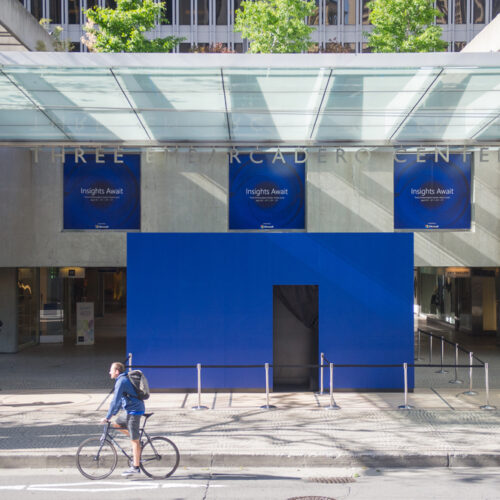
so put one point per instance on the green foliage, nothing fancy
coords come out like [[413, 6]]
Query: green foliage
[[404, 26], [275, 26], [123, 29], [58, 45]]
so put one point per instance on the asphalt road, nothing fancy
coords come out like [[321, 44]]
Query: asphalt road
[[251, 483]]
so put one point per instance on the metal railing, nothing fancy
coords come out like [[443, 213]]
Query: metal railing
[[333, 405]]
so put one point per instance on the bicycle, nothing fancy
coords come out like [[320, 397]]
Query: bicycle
[[96, 457]]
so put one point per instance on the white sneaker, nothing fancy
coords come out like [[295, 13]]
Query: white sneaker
[[132, 471]]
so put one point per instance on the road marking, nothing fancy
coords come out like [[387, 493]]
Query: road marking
[[103, 486]]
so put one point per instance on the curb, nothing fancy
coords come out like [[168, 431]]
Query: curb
[[41, 460]]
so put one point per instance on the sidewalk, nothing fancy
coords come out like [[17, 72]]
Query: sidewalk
[[446, 428]]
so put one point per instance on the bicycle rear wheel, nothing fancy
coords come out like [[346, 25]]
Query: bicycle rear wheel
[[96, 459], [159, 458]]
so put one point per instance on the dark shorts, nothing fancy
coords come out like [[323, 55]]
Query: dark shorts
[[130, 422]]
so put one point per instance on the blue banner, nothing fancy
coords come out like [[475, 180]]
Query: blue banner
[[100, 193], [432, 193], [267, 191]]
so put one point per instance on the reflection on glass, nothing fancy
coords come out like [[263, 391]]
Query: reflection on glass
[[221, 12], [185, 12], [55, 11], [442, 6], [36, 9], [350, 47], [460, 12], [349, 11], [495, 9], [366, 49], [184, 47], [238, 47], [92, 3], [479, 11], [111, 4], [167, 12], [27, 305], [331, 13], [458, 46], [366, 12], [313, 19], [74, 11], [203, 12]]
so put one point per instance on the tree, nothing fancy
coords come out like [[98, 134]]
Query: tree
[[123, 29], [58, 44], [404, 26], [275, 26]]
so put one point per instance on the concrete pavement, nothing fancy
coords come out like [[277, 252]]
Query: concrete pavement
[[446, 428]]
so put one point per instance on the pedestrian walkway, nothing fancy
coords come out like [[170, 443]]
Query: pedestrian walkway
[[40, 429]]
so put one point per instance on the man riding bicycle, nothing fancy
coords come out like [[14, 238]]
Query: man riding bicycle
[[125, 398]]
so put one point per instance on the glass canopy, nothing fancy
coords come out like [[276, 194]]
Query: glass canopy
[[246, 99]]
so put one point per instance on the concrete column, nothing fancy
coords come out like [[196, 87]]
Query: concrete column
[[8, 310]]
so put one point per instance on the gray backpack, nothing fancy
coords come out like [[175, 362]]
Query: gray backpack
[[140, 383]]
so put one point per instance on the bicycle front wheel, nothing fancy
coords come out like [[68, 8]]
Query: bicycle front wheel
[[96, 459], [159, 458]]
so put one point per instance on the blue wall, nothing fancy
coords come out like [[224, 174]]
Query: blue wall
[[208, 298]]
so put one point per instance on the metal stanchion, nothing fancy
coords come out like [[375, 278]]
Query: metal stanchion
[[418, 358], [442, 357], [430, 349], [267, 406], [333, 404], [199, 407], [456, 380], [470, 392], [487, 406], [406, 406], [321, 384]]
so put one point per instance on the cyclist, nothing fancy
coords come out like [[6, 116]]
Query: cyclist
[[125, 398]]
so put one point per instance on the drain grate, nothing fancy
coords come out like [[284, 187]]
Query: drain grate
[[311, 498], [331, 480]]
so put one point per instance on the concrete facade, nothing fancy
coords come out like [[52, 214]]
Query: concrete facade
[[22, 30], [188, 192]]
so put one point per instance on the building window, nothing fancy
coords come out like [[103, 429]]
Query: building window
[[202, 12], [349, 11], [238, 47], [460, 12], [185, 12], [111, 4], [366, 12], [167, 17], [27, 306], [221, 12], [331, 13], [458, 46], [350, 47], [36, 8], [74, 12], [184, 47], [313, 19], [479, 11], [442, 6], [495, 9], [55, 11]]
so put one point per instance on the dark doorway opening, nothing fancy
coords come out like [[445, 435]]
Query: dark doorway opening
[[295, 337]]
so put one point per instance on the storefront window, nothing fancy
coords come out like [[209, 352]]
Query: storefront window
[[203, 12], [442, 6], [27, 306], [460, 12], [221, 12], [349, 11], [479, 11], [55, 11], [51, 306], [185, 12]]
